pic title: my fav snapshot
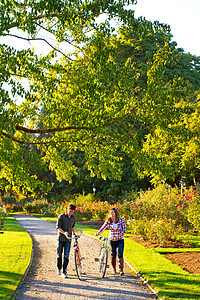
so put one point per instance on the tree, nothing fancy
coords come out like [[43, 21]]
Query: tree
[[83, 99], [175, 149]]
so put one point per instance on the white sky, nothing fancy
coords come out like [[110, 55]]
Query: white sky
[[183, 16]]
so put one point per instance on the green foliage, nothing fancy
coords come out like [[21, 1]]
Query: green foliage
[[193, 212], [49, 211], [157, 215], [10, 200], [35, 206], [158, 229], [106, 95], [3, 216], [11, 208]]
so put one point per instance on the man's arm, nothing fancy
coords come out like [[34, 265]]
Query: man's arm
[[59, 225], [73, 230], [62, 231]]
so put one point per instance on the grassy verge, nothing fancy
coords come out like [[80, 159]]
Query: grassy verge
[[15, 255], [167, 278]]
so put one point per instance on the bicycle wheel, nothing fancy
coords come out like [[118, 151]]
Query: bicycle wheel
[[103, 260], [77, 263]]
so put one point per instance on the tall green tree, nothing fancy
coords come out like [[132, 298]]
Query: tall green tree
[[81, 96], [174, 149]]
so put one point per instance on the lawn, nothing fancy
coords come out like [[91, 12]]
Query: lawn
[[167, 278], [15, 250]]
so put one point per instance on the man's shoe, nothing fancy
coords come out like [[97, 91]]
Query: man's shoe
[[64, 275], [58, 271]]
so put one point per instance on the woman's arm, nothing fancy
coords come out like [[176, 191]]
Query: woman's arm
[[123, 227], [103, 227]]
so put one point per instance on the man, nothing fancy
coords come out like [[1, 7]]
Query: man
[[65, 226]]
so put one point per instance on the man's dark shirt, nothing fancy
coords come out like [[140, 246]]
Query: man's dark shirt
[[66, 224]]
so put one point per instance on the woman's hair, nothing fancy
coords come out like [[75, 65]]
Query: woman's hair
[[110, 220]]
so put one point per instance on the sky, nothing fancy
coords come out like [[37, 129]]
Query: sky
[[182, 16]]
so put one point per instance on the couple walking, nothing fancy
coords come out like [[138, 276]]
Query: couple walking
[[66, 227]]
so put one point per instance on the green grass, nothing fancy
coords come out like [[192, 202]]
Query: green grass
[[190, 238], [167, 278], [15, 255]]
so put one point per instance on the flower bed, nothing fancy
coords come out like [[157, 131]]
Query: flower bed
[[155, 215]]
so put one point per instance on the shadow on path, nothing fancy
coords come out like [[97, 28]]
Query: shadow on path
[[42, 281]]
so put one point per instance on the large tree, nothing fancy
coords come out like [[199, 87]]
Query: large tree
[[81, 96]]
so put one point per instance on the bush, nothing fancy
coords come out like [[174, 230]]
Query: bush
[[85, 199], [3, 216], [10, 200], [35, 206], [11, 208], [155, 230], [193, 212], [159, 203], [50, 211]]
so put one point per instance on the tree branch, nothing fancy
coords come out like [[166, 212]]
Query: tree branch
[[31, 143], [67, 41], [51, 130], [39, 39]]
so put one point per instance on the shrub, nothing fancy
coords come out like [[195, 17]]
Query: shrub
[[49, 211], [85, 199], [100, 210], [10, 200], [35, 206], [3, 216], [159, 203], [156, 230], [11, 208], [193, 211]]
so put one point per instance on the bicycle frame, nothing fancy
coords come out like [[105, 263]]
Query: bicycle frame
[[103, 256], [77, 255]]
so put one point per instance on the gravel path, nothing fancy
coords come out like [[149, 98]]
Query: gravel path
[[42, 281]]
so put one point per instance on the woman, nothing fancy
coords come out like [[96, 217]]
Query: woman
[[117, 229]]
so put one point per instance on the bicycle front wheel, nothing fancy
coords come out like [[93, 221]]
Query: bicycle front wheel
[[103, 260], [77, 259]]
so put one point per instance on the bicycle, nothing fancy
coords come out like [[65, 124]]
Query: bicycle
[[77, 254], [103, 256]]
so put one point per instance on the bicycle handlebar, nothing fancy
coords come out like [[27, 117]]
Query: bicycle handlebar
[[77, 236], [103, 237]]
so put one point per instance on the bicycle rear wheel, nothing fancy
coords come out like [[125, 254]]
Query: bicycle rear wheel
[[77, 259], [103, 260]]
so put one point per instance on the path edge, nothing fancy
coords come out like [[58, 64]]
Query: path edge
[[27, 269], [137, 274]]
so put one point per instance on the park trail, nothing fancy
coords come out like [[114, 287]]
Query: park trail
[[42, 281]]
